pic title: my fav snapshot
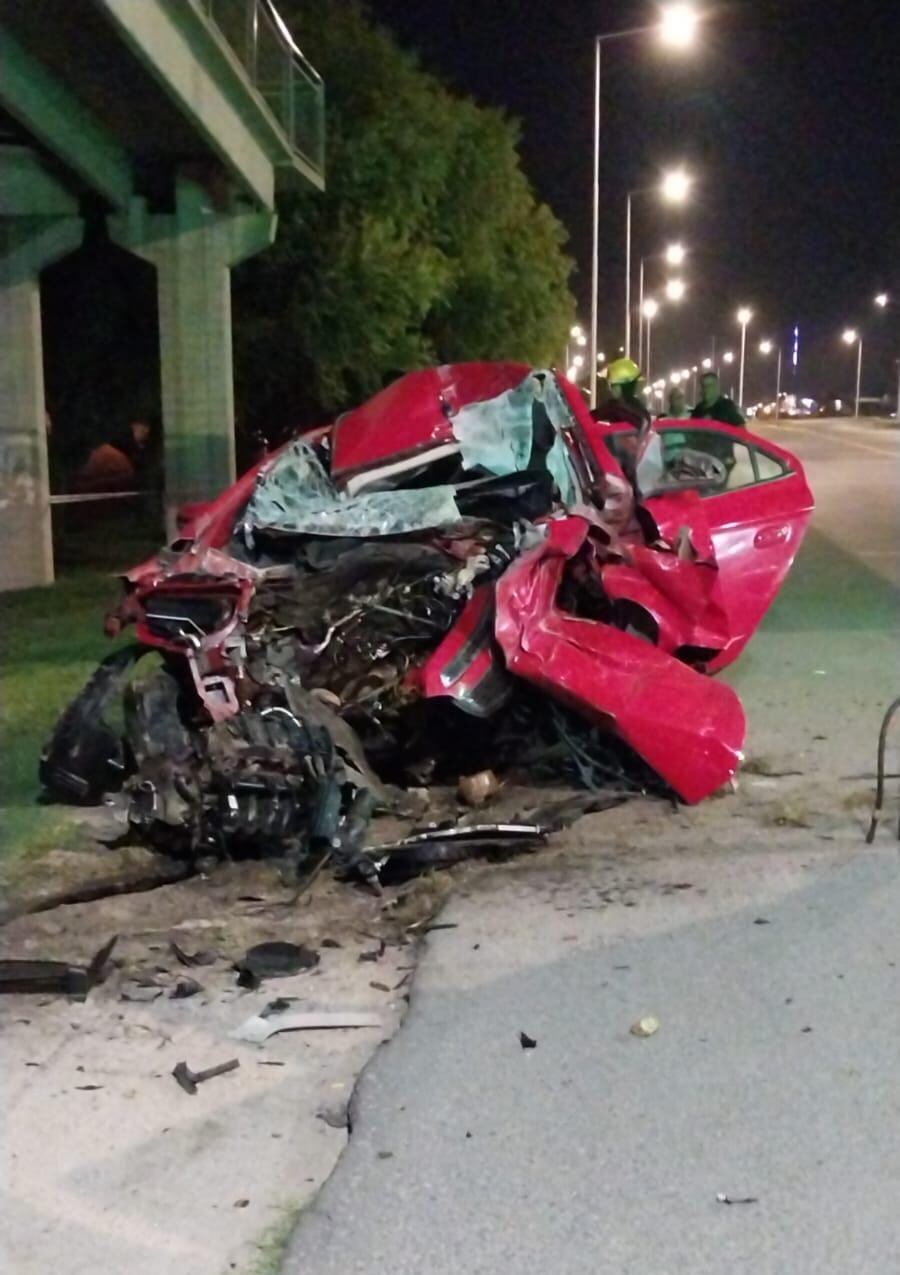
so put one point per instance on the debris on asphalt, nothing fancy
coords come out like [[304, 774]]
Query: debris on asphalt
[[445, 845], [526, 1041], [257, 1030], [648, 1026], [280, 1005], [761, 920], [468, 545], [55, 977], [336, 1117], [379, 987], [189, 1080], [184, 988], [140, 993], [722, 1198], [276, 959], [475, 790], [192, 958], [374, 955]]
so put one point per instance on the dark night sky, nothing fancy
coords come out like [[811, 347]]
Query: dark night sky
[[789, 115]]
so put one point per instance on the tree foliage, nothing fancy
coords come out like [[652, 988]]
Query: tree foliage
[[428, 244]]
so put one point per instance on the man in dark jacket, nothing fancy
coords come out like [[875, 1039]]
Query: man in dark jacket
[[714, 405]]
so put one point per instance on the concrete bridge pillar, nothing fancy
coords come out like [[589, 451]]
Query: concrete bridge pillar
[[38, 225], [193, 250]]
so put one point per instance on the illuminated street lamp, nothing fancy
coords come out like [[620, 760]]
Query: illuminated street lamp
[[675, 29], [673, 189], [744, 315], [649, 311], [883, 301], [766, 348], [675, 290], [675, 186], [675, 378], [576, 334], [678, 25], [852, 337], [675, 254], [706, 365]]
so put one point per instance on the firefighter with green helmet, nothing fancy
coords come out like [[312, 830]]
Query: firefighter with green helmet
[[623, 403]]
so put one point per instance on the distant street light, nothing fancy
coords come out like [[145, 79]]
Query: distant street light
[[675, 290], [578, 360], [852, 337], [766, 347], [744, 315], [673, 255], [676, 29], [706, 364], [649, 311], [728, 357], [673, 189], [883, 301], [675, 378], [576, 333]]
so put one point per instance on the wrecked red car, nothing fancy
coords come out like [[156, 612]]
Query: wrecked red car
[[467, 566]]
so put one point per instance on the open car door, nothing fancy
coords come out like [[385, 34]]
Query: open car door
[[756, 513]]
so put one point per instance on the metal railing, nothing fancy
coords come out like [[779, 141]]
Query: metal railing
[[290, 86]]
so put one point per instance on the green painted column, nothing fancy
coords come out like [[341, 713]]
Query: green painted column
[[193, 251], [27, 245]]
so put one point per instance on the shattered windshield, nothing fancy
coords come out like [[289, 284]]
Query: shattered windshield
[[517, 432]]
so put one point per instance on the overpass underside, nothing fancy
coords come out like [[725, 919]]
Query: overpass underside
[[180, 119]]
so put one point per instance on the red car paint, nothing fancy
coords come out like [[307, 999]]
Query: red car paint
[[689, 728], [702, 588], [413, 414]]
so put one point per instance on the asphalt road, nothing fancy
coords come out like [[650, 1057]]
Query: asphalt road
[[774, 1075], [854, 468]]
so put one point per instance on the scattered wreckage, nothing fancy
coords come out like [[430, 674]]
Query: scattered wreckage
[[467, 570]]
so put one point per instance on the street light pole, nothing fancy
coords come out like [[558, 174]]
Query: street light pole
[[595, 252], [676, 27], [778, 387], [851, 336], [744, 316], [641, 316]]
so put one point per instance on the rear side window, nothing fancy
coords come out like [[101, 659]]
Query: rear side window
[[745, 464]]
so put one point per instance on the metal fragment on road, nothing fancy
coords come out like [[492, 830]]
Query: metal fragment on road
[[257, 1030], [722, 1198], [526, 1041]]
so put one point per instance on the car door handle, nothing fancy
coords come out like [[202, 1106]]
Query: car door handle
[[769, 536]]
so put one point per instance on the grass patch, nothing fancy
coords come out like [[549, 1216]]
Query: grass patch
[[272, 1244], [52, 641]]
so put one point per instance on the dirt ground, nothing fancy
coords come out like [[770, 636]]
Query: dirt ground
[[112, 1163]]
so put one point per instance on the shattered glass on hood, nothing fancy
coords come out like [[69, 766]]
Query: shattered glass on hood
[[498, 435], [296, 496]]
